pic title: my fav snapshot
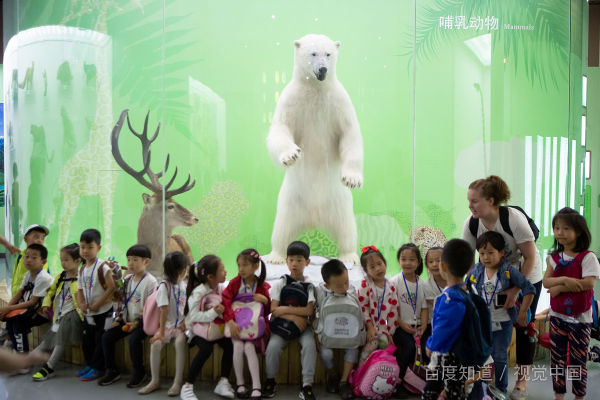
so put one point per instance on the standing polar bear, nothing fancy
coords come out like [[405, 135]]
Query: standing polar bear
[[315, 137]]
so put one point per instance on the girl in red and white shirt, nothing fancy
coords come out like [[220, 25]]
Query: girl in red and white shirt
[[379, 301]]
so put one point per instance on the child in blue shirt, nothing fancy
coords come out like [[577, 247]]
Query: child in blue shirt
[[490, 278], [448, 315]]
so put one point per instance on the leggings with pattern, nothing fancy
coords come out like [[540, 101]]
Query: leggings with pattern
[[453, 384], [577, 337]]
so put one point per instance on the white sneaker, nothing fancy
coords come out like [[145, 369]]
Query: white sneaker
[[224, 389], [23, 371], [187, 392]]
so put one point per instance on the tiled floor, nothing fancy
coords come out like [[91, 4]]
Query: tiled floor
[[65, 386]]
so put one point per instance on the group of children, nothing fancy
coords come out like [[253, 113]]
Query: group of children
[[405, 311]]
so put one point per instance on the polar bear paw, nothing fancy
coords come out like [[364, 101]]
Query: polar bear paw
[[274, 258], [289, 157], [350, 258], [352, 179]]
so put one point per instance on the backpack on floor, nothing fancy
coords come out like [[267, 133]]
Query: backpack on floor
[[249, 316], [151, 312], [340, 324], [416, 374], [475, 344], [213, 330], [571, 303], [376, 379], [293, 294], [474, 222]]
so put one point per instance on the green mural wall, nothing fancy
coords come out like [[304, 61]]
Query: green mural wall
[[491, 92]]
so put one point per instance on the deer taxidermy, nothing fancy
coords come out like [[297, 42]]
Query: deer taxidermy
[[150, 233]]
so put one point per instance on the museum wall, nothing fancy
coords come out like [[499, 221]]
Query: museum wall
[[440, 104]]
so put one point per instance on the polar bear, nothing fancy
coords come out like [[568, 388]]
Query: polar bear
[[315, 137]]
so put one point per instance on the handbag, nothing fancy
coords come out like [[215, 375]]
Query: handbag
[[416, 374]]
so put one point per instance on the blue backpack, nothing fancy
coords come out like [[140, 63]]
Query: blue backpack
[[474, 346]]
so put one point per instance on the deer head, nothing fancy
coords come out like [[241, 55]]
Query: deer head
[[175, 214]]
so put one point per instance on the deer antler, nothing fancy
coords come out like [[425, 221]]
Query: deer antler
[[154, 185]]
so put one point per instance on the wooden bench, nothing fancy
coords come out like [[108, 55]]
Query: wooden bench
[[290, 368]]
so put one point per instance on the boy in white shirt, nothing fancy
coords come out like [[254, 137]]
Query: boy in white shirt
[[298, 258], [96, 304], [138, 286], [33, 289]]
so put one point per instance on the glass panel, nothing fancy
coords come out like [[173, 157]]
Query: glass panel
[[491, 85], [492, 94], [69, 91], [224, 88]]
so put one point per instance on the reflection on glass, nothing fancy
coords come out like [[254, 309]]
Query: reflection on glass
[[588, 164], [573, 173], [583, 130], [584, 91]]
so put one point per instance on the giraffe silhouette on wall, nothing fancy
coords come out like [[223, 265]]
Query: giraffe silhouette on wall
[[89, 172]]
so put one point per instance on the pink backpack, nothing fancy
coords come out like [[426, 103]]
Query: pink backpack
[[376, 379], [571, 303], [151, 312], [213, 330]]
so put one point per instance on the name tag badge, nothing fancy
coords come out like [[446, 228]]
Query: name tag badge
[[90, 320], [108, 323], [55, 327], [496, 326]]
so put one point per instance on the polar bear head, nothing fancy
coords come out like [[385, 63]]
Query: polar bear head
[[382, 385], [315, 57]]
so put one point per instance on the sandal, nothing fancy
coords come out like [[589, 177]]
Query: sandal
[[242, 395], [256, 397]]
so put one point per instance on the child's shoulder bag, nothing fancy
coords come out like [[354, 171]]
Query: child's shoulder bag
[[293, 294], [151, 312], [249, 317], [341, 322], [215, 329]]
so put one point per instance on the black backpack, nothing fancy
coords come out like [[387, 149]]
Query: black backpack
[[474, 222], [293, 294], [63, 278], [475, 344]]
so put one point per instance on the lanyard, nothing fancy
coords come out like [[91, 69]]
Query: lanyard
[[494, 292], [132, 293], [85, 292], [413, 304], [562, 260], [438, 286], [382, 299], [177, 301], [253, 286], [63, 296]]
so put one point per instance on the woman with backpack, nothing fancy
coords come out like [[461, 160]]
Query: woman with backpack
[[486, 197]]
